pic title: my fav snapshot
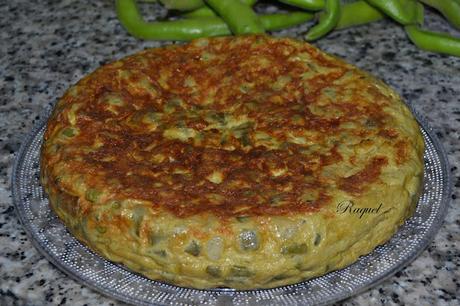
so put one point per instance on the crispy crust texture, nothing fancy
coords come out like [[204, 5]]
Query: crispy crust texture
[[247, 162]]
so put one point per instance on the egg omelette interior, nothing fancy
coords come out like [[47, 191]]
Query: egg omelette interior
[[244, 162]]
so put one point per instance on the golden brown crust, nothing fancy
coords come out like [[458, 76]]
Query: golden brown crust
[[128, 143]]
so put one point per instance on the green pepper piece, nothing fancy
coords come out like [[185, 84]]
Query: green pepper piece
[[295, 249], [68, 132], [327, 21], [161, 253], [101, 229], [242, 218], [278, 277], [155, 238], [317, 239], [116, 204]]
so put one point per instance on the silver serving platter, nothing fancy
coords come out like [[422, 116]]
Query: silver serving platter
[[52, 239]]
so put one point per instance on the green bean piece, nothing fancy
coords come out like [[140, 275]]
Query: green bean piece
[[101, 229], [188, 29], [214, 271], [327, 21], [68, 132], [241, 19], [275, 22], [295, 249], [311, 5], [240, 271], [394, 9], [448, 8], [92, 195], [357, 13], [193, 248], [317, 239], [242, 218], [182, 5], [433, 41]]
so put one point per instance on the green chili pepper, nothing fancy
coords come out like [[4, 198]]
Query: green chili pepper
[[394, 9], [311, 5], [327, 21], [241, 19], [448, 8], [357, 13]]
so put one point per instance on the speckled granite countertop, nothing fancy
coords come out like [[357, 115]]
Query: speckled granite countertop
[[49, 45]]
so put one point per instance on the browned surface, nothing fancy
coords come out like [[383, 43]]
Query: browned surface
[[124, 164]]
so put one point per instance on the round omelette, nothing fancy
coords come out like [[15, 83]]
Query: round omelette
[[243, 162]]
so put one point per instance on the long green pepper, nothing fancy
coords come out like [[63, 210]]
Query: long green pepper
[[327, 21]]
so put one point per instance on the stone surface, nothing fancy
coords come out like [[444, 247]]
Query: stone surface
[[49, 45]]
